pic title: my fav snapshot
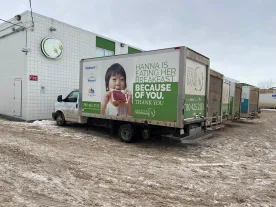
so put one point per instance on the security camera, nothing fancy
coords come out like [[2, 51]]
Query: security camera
[[122, 44], [52, 29], [18, 17]]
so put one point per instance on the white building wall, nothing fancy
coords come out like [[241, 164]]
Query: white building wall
[[120, 50], [12, 66], [58, 77]]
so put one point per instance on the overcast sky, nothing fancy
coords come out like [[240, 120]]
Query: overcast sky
[[239, 36]]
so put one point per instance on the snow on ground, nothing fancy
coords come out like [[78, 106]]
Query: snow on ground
[[268, 109], [42, 164]]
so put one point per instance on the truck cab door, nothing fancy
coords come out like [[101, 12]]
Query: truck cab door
[[71, 106]]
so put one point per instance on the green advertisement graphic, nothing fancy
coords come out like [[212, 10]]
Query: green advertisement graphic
[[91, 107], [194, 104], [155, 101]]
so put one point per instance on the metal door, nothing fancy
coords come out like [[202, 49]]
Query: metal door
[[237, 101], [17, 103], [253, 100], [215, 95]]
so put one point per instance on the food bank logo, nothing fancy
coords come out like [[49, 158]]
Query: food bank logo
[[199, 79], [195, 78], [146, 112]]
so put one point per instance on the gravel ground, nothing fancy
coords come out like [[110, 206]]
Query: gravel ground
[[45, 165]]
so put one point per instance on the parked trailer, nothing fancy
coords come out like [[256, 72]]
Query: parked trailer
[[215, 98], [235, 101], [160, 92], [250, 101], [226, 98], [267, 99]]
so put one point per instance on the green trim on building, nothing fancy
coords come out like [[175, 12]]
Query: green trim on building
[[105, 44], [132, 50]]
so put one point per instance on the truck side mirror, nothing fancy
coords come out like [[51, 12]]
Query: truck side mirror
[[59, 98]]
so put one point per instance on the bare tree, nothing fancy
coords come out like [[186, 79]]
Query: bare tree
[[267, 84]]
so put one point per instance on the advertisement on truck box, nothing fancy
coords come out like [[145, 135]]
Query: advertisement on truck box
[[195, 89], [143, 87]]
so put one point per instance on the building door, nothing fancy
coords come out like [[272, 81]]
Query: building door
[[17, 104]]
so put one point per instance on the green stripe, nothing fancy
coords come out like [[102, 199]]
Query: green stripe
[[133, 50], [43, 46], [91, 107], [105, 44]]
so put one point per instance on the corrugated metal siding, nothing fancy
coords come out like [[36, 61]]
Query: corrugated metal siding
[[253, 101], [215, 94]]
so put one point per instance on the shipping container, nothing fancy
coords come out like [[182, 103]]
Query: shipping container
[[226, 98], [250, 101], [267, 98], [162, 91], [215, 97]]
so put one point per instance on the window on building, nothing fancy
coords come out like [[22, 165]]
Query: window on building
[[104, 47], [102, 52]]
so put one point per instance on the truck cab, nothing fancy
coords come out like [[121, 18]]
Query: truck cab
[[67, 109]]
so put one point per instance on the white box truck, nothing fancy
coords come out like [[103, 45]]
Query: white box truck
[[226, 98], [235, 101], [250, 101], [267, 98], [215, 98], [155, 92]]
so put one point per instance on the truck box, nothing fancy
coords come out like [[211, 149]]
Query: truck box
[[235, 101], [166, 90], [226, 98], [250, 101], [267, 98], [215, 97]]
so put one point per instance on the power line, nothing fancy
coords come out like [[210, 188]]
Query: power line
[[31, 12], [13, 23], [24, 28]]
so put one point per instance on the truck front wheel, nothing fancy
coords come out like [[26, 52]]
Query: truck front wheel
[[126, 133], [60, 119]]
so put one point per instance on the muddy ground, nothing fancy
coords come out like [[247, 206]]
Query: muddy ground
[[45, 165]]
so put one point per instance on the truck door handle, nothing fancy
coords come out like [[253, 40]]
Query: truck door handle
[[76, 106]]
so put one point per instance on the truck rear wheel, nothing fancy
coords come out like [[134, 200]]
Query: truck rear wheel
[[126, 133], [60, 119]]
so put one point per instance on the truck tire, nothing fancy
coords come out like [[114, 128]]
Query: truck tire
[[126, 133], [60, 119]]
